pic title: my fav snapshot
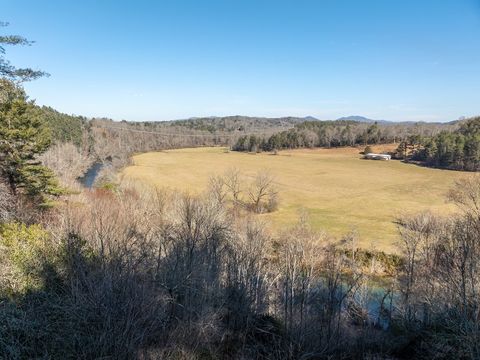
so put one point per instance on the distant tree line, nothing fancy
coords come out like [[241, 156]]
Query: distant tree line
[[236, 123], [458, 149], [311, 134], [450, 146]]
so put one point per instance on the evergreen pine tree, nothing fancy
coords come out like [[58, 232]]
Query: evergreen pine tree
[[22, 138]]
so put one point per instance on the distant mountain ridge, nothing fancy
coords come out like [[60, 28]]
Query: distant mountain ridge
[[363, 119]]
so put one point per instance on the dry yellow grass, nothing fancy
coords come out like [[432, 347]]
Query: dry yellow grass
[[339, 190]]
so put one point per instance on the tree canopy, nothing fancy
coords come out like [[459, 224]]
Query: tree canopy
[[9, 71]]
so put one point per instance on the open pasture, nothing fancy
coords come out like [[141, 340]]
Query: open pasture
[[339, 190]]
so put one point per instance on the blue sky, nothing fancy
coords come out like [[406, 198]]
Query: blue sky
[[161, 60]]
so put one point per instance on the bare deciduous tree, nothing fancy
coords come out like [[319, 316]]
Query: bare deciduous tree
[[217, 189], [68, 163], [233, 181], [262, 193], [466, 194]]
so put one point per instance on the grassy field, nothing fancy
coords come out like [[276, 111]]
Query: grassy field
[[339, 190]]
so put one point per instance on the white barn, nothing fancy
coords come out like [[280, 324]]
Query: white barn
[[373, 156]]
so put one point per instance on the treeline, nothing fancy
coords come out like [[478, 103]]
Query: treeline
[[336, 133], [458, 149], [237, 123], [451, 146]]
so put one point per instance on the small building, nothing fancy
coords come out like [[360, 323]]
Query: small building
[[372, 156]]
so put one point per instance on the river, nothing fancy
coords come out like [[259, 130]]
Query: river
[[90, 176]]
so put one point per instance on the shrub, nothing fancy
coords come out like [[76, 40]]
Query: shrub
[[367, 150], [28, 256]]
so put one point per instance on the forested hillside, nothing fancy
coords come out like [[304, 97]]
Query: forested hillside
[[237, 123], [65, 128]]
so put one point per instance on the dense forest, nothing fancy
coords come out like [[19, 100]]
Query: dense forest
[[458, 149], [130, 272]]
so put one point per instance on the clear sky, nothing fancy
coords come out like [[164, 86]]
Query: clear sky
[[160, 60]]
